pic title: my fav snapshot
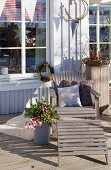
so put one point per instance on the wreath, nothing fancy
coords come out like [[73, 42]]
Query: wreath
[[43, 66]]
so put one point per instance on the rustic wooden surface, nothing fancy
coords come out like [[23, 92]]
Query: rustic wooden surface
[[80, 137]]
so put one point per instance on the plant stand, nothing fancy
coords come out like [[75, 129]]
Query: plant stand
[[100, 75], [42, 134]]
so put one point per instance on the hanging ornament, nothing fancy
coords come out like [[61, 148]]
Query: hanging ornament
[[30, 6], [77, 19], [74, 25], [2, 4]]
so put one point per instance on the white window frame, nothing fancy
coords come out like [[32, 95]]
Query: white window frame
[[49, 51], [97, 25]]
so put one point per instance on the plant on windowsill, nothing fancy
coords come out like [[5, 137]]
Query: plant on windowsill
[[43, 67], [96, 60]]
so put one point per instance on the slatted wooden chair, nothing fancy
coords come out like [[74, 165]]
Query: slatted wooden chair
[[74, 111], [81, 137]]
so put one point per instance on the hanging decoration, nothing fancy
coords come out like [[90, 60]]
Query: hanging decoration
[[77, 19], [41, 68], [30, 6], [2, 4], [10, 9], [57, 22]]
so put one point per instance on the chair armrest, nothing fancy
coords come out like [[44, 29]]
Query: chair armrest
[[95, 93], [53, 97], [96, 101]]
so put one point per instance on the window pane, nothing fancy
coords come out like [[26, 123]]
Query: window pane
[[35, 34], [105, 50], [40, 11], [92, 34], [105, 15], [10, 34], [11, 10], [93, 49], [105, 34], [92, 15], [33, 58], [11, 58]]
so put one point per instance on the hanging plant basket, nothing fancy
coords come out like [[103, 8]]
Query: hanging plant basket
[[43, 66], [95, 62]]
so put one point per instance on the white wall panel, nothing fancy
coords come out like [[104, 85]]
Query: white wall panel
[[14, 100]]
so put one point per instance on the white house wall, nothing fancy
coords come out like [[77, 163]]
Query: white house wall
[[17, 95], [68, 49]]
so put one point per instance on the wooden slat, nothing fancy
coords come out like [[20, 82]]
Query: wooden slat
[[82, 149], [81, 137], [79, 140], [81, 133], [82, 144], [83, 153]]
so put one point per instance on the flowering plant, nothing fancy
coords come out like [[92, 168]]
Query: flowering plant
[[41, 112]]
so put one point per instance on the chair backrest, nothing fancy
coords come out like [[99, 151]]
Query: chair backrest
[[65, 75]]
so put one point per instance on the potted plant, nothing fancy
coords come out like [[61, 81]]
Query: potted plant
[[41, 116]]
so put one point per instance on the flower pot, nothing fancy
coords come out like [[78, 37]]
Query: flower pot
[[42, 134]]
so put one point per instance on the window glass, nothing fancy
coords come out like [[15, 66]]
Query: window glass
[[11, 10], [11, 58], [10, 34], [92, 33], [105, 15], [34, 57], [105, 50], [35, 34], [105, 34], [13, 33], [92, 15], [40, 11]]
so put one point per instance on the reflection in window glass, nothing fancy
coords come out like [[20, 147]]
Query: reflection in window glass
[[11, 58], [40, 11], [105, 50], [10, 34], [33, 58], [35, 34], [92, 34], [105, 14], [92, 15], [12, 10], [104, 34]]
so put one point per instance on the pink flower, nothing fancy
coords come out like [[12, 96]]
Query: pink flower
[[33, 122]]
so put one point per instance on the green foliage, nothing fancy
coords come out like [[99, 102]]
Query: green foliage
[[44, 112]]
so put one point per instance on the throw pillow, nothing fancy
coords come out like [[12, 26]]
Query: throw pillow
[[65, 83], [69, 96], [84, 91]]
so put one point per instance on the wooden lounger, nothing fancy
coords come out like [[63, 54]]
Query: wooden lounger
[[81, 137]]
